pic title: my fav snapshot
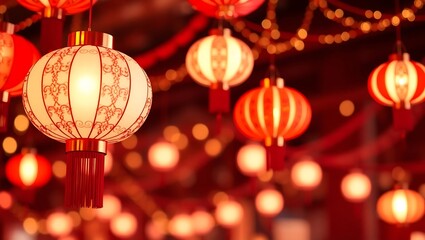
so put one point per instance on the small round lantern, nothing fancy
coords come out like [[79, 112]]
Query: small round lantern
[[226, 9], [228, 213], [163, 156], [269, 202], [180, 226], [398, 83], [251, 159], [123, 225], [202, 222], [272, 113], [356, 186], [219, 62], [306, 174], [86, 95], [400, 206], [28, 170]]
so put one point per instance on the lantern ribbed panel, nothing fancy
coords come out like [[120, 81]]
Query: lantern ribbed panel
[[87, 92], [401, 206], [272, 112], [226, 8], [69, 6], [7, 56], [382, 85], [219, 58]]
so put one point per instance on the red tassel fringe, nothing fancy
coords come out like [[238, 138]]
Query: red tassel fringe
[[275, 157], [84, 179], [219, 100]]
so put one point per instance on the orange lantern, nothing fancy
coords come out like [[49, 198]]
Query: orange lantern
[[251, 159], [53, 13], [219, 62], [398, 83], [226, 8], [272, 114], [28, 170], [180, 226], [123, 225], [400, 206], [229, 213], [163, 156], [306, 174], [269, 202], [17, 57], [87, 95], [356, 186]]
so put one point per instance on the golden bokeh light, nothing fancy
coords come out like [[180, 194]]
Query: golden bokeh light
[[130, 143], [346, 108], [59, 169], [9, 145], [21, 123]]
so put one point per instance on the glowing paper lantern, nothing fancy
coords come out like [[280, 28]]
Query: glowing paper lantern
[[202, 222], [229, 213], [219, 62], [400, 206], [53, 12], [180, 226], [163, 156], [306, 174], [124, 225], [112, 207], [269, 202], [17, 56], [398, 83], [59, 224], [356, 186], [86, 95], [251, 159], [226, 8], [272, 114], [28, 169]]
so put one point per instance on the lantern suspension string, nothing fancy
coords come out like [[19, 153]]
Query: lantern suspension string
[[398, 31], [90, 15]]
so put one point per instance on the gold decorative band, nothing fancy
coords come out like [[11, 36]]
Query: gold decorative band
[[90, 38], [53, 13], [85, 144], [7, 27]]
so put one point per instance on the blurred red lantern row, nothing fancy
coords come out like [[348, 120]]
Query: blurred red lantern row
[[226, 8]]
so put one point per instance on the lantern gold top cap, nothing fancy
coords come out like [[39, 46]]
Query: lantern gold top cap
[[50, 12], [7, 27], [80, 38]]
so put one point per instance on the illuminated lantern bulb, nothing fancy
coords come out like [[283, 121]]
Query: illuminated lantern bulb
[[400, 206], [59, 224], [202, 222], [269, 202], [163, 156], [229, 213], [356, 186], [180, 226], [251, 159], [306, 174], [123, 225], [111, 207]]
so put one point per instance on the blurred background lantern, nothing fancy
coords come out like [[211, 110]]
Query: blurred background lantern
[[53, 12], [111, 207], [123, 225], [163, 156], [273, 114], [400, 206], [398, 83], [202, 222], [17, 56], [28, 170], [229, 213], [306, 174], [219, 62], [59, 224], [269, 202], [226, 9], [251, 159], [105, 97], [180, 226], [356, 186]]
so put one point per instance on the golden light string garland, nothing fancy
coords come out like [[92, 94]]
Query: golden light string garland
[[24, 23]]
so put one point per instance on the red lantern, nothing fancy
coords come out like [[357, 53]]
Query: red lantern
[[226, 8], [399, 83], [87, 95], [219, 61], [28, 170], [271, 114], [18, 55], [53, 12]]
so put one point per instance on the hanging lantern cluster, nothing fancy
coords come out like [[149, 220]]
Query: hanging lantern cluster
[[399, 83], [226, 8], [17, 56], [273, 114], [86, 95]]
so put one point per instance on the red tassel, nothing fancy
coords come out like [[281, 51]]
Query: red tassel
[[219, 100], [403, 119], [275, 157], [4, 109], [51, 34]]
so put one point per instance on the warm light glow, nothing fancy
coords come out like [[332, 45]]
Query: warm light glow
[[154, 231], [200, 131], [265, 176], [59, 169], [219, 197], [5, 200], [306, 174], [28, 169], [251, 159], [269, 202], [229, 213], [30, 225], [130, 143], [346, 108], [356, 186], [399, 206], [170, 132], [180, 226], [76, 218], [109, 162], [9, 145], [59, 224], [163, 156], [133, 160], [202, 222], [111, 207], [417, 235], [123, 225], [87, 214], [21, 123], [213, 147]]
